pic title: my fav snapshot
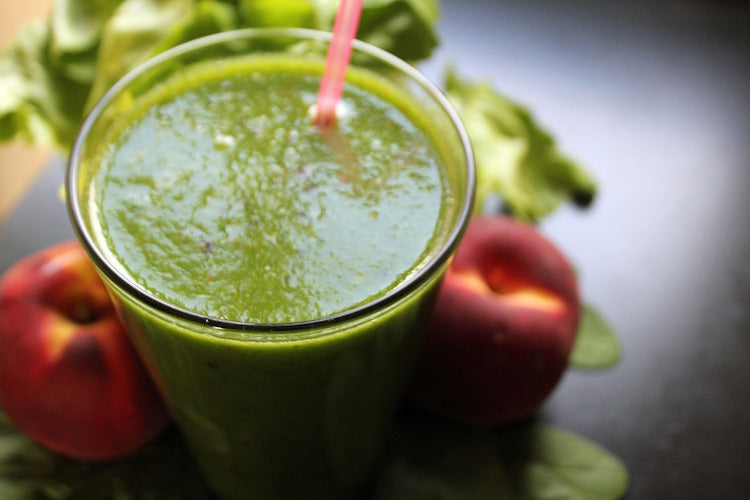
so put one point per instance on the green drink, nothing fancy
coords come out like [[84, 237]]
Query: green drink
[[273, 276]]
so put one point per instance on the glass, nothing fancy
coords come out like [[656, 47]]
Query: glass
[[290, 410]]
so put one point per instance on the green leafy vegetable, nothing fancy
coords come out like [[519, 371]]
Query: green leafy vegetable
[[161, 470], [75, 30], [55, 71], [402, 27], [37, 103], [139, 29], [516, 159], [431, 460], [405, 28], [427, 459], [596, 344]]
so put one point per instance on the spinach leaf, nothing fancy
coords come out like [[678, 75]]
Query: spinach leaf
[[596, 345], [55, 71], [443, 461], [162, 469], [516, 159], [552, 463], [426, 459]]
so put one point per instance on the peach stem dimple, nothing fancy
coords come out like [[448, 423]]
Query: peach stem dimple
[[520, 295]]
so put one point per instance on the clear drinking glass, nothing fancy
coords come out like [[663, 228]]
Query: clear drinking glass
[[291, 410]]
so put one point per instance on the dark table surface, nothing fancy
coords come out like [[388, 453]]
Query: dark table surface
[[654, 99]]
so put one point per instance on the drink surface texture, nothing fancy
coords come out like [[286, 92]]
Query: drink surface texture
[[219, 195]]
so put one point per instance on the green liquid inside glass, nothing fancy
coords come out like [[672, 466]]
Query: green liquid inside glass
[[220, 196], [214, 192]]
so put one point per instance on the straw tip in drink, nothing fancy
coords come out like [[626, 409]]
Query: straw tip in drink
[[340, 111]]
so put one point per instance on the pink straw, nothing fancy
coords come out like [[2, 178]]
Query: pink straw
[[337, 60]]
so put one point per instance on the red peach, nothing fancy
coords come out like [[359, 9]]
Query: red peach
[[69, 376], [503, 325]]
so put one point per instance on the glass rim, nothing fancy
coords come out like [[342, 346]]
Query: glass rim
[[402, 290]]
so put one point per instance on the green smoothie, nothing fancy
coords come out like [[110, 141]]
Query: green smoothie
[[220, 196], [273, 276]]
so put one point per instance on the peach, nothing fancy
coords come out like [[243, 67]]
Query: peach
[[503, 325], [69, 376]]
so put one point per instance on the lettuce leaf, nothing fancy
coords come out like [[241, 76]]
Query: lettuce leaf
[[300, 13], [405, 28], [54, 71], [76, 28], [516, 159], [402, 27], [38, 102], [139, 29]]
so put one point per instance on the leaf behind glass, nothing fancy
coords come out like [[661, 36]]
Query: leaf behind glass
[[596, 345]]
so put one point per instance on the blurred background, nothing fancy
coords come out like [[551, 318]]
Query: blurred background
[[19, 164], [653, 98]]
